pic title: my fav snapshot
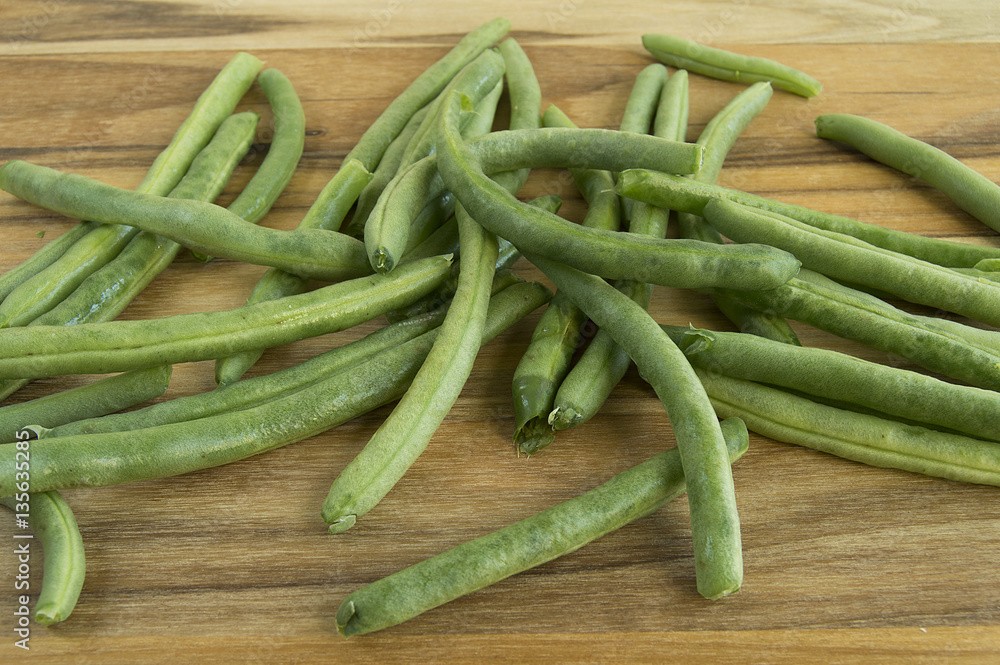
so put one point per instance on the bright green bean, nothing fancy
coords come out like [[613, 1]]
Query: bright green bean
[[114, 346], [101, 397], [949, 348], [555, 532], [847, 258], [683, 263], [199, 225], [409, 428], [93, 460], [327, 212], [855, 436], [685, 195], [715, 524], [846, 379], [972, 191], [53, 523], [728, 66]]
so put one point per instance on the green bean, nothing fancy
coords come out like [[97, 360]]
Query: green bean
[[43, 258], [117, 281], [607, 253], [847, 258], [715, 524], [101, 397], [327, 212], [603, 363], [555, 532], [640, 109], [99, 244], [525, 105], [855, 436], [422, 90], [287, 143], [728, 66], [559, 332], [199, 225], [53, 523], [970, 190], [411, 425], [684, 195], [94, 460], [837, 376], [947, 347], [114, 346]]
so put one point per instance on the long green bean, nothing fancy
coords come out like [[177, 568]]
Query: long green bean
[[555, 532], [53, 523], [728, 66], [683, 194], [972, 191], [855, 436], [715, 524], [113, 346], [93, 460], [101, 397]]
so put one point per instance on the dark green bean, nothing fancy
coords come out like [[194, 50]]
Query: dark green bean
[[847, 258], [93, 460], [685, 195], [855, 436], [201, 226], [65, 566], [113, 346], [107, 395], [715, 524], [728, 66], [555, 532], [972, 191]]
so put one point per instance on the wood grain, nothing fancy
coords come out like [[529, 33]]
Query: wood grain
[[844, 563]]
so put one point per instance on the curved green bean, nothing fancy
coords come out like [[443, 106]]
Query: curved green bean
[[101, 397], [837, 376], [715, 524], [972, 191], [847, 258], [53, 523], [113, 346], [683, 194], [94, 460], [407, 431], [855, 436], [198, 225], [555, 532], [728, 66], [684, 263]]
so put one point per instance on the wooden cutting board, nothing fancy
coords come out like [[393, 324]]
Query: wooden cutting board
[[844, 563]]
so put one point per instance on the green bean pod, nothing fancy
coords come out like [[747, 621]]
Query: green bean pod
[[949, 348], [686, 195], [836, 376], [972, 191], [198, 225], [555, 532], [65, 566], [525, 105], [715, 524], [407, 431], [603, 363], [728, 66], [114, 346], [855, 436], [101, 397], [95, 460], [847, 258], [610, 254]]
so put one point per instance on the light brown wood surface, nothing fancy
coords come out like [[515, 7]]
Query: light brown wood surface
[[844, 563]]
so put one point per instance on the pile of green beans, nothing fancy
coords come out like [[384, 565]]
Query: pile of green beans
[[436, 232]]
